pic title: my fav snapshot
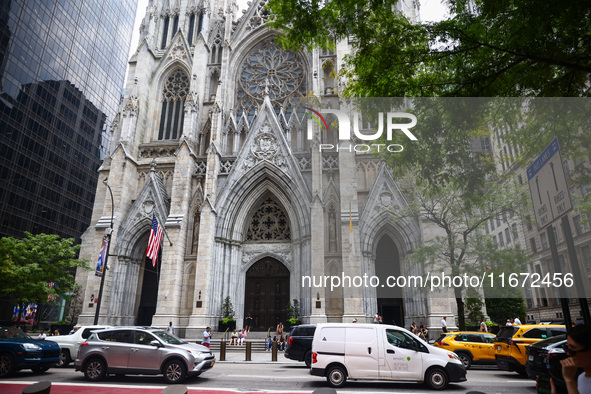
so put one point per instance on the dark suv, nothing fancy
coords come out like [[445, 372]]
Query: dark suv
[[299, 346]]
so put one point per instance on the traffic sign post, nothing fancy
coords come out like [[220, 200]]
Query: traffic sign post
[[551, 199], [548, 187]]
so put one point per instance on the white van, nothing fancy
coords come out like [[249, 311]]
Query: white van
[[342, 351]]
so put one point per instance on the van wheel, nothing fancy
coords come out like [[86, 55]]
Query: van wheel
[[336, 377], [308, 358], [436, 379], [465, 359]]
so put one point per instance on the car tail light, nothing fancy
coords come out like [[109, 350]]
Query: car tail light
[[314, 358], [514, 342], [290, 341], [84, 344], [444, 343]]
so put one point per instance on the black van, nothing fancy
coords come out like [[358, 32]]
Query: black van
[[299, 346]]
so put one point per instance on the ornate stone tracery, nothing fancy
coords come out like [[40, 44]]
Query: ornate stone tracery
[[268, 69], [269, 223]]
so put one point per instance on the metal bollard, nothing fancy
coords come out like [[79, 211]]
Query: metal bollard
[[274, 352], [223, 350], [248, 351]]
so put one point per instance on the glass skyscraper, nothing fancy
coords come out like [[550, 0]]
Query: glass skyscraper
[[62, 69]]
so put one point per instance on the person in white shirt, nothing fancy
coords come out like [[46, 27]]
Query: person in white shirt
[[508, 322], [578, 348], [517, 322], [170, 329], [42, 335], [444, 324]]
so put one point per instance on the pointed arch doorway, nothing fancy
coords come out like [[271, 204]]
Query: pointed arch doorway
[[266, 293], [150, 278], [390, 299]]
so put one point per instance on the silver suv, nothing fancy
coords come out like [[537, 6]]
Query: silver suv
[[141, 351]]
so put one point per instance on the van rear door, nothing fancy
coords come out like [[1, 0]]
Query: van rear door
[[361, 352]]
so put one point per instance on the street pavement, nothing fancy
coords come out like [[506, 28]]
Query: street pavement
[[261, 375]]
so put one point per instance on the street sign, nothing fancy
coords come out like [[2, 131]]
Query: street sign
[[547, 186]]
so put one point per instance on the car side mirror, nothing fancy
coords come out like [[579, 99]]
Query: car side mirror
[[155, 343]]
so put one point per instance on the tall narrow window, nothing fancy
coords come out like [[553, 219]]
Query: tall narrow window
[[173, 100], [191, 28], [200, 24], [175, 25], [165, 32]]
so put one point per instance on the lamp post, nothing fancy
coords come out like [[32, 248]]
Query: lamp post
[[109, 232]]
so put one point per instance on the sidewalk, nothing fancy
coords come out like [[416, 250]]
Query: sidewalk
[[239, 356]]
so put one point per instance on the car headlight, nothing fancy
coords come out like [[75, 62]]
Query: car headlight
[[30, 346], [453, 356]]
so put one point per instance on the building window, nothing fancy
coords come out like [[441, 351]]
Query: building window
[[269, 70], [269, 223], [514, 231], [578, 226], [492, 224], [532, 243], [508, 235], [486, 228], [501, 239], [174, 94], [528, 221], [586, 255], [498, 222], [165, 32], [544, 241]]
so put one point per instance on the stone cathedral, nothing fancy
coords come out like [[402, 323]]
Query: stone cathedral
[[209, 139]]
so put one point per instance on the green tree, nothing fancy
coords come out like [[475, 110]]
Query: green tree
[[501, 48], [227, 310], [501, 309], [28, 265]]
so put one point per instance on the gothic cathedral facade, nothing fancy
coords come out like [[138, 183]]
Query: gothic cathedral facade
[[209, 139]]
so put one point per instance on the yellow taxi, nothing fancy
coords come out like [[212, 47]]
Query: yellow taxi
[[470, 346], [511, 341]]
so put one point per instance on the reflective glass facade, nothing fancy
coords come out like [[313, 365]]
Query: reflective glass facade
[[62, 70]]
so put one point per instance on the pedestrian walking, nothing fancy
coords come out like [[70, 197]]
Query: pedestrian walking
[[444, 324], [170, 328], [206, 337]]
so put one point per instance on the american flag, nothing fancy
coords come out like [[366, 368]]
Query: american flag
[[154, 241]]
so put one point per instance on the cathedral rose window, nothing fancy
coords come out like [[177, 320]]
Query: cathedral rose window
[[270, 68]]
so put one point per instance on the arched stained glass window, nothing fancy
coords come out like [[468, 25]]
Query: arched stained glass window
[[172, 115], [269, 223], [270, 67]]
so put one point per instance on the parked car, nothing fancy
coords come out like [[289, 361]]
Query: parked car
[[20, 351], [70, 343], [511, 341], [470, 346], [342, 351], [141, 351], [299, 346]]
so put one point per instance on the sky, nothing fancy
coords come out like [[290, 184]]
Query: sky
[[431, 10]]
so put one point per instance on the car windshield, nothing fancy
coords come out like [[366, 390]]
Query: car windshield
[[506, 332], [167, 338], [12, 333]]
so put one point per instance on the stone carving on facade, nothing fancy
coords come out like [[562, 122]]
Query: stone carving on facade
[[157, 151], [131, 106], [281, 252], [192, 102], [265, 148], [330, 162], [269, 223], [178, 53]]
